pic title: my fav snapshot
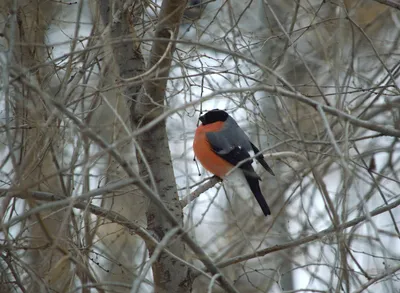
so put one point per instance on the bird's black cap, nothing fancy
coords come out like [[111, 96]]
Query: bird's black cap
[[214, 116]]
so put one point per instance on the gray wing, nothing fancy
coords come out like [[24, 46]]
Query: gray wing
[[231, 136], [232, 144]]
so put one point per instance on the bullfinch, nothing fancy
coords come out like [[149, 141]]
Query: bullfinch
[[220, 145]]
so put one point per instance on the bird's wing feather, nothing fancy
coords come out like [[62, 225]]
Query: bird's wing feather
[[228, 138], [231, 153], [233, 145], [237, 137], [219, 143]]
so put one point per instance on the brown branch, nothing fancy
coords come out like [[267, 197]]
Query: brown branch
[[153, 196], [203, 188], [80, 202], [57, 201], [384, 130], [377, 278], [165, 212], [391, 3], [308, 239]]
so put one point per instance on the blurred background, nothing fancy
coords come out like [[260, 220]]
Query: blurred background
[[315, 84]]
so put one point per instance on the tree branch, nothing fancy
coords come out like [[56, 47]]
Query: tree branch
[[391, 3], [203, 188], [377, 278], [307, 239]]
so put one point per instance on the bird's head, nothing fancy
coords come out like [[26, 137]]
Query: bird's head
[[214, 116]]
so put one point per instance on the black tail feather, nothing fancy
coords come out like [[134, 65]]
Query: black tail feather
[[255, 188], [237, 155], [260, 159]]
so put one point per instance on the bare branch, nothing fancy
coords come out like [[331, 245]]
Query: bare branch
[[391, 3], [377, 278], [308, 239]]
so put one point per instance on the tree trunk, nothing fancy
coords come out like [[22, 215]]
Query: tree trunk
[[35, 160], [169, 275]]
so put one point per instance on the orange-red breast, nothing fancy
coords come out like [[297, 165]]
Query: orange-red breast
[[220, 144]]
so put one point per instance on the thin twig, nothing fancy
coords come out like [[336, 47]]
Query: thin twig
[[156, 253], [307, 239], [377, 278]]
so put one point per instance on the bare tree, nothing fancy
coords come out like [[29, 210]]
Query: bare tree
[[31, 137], [100, 101]]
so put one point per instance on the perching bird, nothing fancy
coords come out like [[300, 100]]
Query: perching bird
[[220, 144]]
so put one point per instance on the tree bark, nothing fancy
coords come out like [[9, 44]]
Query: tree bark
[[169, 275], [34, 151], [123, 60]]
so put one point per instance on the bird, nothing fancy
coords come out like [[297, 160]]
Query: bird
[[220, 145]]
